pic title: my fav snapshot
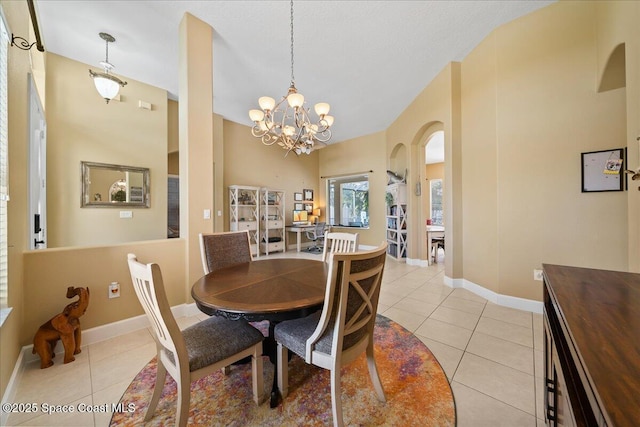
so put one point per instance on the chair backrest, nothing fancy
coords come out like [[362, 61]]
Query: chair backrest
[[219, 250], [149, 287], [317, 231], [350, 305], [339, 242]]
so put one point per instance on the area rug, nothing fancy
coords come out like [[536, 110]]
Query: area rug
[[417, 391]]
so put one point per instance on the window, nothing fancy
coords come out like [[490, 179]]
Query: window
[[4, 163], [436, 201], [348, 201]]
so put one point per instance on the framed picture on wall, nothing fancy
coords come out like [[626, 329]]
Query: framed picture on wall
[[297, 197], [308, 195], [309, 208], [298, 207], [602, 170]]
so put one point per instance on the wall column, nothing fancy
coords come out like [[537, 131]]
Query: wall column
[[195, 112]]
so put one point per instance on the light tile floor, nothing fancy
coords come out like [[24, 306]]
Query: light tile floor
[[492, 355]]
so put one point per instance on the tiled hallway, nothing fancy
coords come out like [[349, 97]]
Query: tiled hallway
[[492, 355]]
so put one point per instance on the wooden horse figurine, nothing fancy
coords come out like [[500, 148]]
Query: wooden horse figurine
[[65, 326]]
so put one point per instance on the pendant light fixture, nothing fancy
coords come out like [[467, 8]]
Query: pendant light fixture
[[106, 83], [288, 122]]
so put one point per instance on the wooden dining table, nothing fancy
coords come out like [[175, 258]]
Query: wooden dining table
[[273, 289]]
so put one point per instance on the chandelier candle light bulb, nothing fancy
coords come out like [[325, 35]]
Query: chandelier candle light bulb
[[288, 123]]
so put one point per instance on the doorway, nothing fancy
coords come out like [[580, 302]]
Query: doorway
[[433, 199], [37, 170]]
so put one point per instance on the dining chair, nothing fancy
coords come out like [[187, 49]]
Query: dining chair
[[437, 243], [339, 242], [195, 352], [343, 329], [219, 250], [316, 234]]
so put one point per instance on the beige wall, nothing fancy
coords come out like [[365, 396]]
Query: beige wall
[[17, 16], [516, 113], [249, 162], [196, 142], [529, 108], [354, 157], [617, 23], [435, 108], [434, 171], [48, 273], [81, 126]]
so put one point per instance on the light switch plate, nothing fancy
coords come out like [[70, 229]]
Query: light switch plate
[[537, 275]]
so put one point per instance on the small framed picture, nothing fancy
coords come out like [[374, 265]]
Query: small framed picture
[[298, 207], [308, 195], [309, 208], [297, 197], [601, 170]]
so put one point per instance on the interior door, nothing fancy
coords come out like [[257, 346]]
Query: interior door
[[37, 170]]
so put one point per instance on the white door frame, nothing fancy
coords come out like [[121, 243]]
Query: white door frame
[[37, 170]]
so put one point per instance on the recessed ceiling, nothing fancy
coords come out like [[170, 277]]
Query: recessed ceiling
[[368, 59]]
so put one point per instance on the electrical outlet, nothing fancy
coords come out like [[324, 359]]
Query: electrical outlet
[[537, 275], [114, 290]]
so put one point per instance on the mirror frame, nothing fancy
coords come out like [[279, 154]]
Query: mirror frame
[[86, 200]]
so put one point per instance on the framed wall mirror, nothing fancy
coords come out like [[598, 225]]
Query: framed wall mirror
[[106, 185]]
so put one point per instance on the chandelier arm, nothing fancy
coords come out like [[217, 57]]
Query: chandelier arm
[[268, 139], [323, 136], [288, 123], [323, 125]]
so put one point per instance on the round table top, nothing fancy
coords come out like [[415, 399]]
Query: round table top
[[270, 289]]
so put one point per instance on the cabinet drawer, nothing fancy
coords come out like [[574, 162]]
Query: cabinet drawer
[[247, 225], [272, 247], [272, 224]]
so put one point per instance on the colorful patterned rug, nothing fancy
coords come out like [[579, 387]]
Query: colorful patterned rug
[[417, 391]]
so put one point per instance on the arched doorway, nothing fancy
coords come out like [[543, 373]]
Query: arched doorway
[[417, 180], [433, 194]]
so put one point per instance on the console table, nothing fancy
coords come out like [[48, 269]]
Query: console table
[[591, 346]]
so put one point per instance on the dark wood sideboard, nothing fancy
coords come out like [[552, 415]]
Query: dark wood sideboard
[[591, 347]]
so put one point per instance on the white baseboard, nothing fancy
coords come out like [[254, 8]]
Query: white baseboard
[[9, 395], [89, 336], [418, 262], [494, 297]]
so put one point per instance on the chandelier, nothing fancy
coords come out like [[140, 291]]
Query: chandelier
[[289, 123], [107, 84]]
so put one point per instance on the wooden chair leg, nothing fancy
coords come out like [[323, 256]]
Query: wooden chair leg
[[336, 401], [184, 395], [161, 376], [283, 370], [256, 372], [373, 373]]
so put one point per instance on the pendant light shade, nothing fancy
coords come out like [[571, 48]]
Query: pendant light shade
[[107, 84]]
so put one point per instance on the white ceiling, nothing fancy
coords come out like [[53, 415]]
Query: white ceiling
[[368, 59]]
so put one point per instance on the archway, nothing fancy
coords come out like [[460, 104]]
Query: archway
[[433, 194], [417, 180]]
